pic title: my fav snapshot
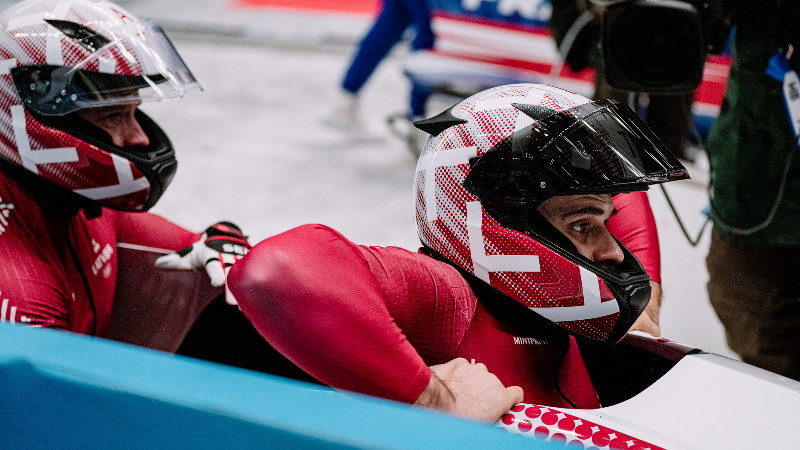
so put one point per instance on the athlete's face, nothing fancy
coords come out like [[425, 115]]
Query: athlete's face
[[582, 218], [119, 122]]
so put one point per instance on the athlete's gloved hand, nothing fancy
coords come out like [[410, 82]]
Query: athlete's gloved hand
[[221, 245]]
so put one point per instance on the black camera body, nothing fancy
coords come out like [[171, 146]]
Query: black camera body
[[660, 46]]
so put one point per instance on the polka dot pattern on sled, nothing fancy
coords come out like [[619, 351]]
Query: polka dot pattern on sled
[[555, 425]]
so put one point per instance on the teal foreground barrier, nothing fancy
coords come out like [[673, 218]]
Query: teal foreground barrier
[[60, 390]]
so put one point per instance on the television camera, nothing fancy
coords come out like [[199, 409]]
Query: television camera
[[660, 46]]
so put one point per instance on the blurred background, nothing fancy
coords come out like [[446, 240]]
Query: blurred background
[[252, 147]]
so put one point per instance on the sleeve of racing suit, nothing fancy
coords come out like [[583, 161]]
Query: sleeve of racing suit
[[152, 230], [311, 294], [35, 281], [31, 288], [635, 226]]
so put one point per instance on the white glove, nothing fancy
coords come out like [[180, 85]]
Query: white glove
[[221, 245]]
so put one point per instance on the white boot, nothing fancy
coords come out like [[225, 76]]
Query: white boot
[[402, 126], [344, 112]]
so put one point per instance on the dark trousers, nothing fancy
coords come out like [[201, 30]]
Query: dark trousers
[[390, 25], [755, 291]]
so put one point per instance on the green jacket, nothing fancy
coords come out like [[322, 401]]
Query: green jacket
[[750, 141]]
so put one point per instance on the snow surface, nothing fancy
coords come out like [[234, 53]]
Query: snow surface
[[252, 149]]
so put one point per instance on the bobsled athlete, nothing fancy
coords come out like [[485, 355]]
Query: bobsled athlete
[[520, 192], [80, 165]]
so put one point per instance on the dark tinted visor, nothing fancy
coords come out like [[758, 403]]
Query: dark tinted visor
[[597, 147], [58, 90]]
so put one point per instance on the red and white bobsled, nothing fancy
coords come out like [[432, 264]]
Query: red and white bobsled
[[665, 395]]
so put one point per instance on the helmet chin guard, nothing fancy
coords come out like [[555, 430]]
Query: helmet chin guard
[[64, 56], [494, 157]]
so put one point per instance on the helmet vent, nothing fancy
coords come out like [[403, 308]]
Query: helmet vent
[[83, 35], [440, 122]]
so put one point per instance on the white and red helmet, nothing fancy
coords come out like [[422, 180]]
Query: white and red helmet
[[57, 57], [494, 157]]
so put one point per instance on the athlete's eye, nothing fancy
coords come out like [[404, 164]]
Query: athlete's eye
[[580, 227], [114, 119]]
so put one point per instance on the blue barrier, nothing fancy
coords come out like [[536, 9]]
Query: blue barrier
[[61, 390]]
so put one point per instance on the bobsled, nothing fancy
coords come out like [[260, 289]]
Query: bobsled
[[482, 44], [94, 392], [659, 394]]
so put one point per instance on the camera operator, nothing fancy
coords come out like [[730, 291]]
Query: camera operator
[[752, 147]]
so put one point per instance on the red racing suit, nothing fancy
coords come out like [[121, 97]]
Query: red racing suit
[[61, 269], [373, 319]]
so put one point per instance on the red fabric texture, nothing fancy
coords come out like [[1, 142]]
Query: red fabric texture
[[372, 319], [311, 294], [635, 226], [64, 266]]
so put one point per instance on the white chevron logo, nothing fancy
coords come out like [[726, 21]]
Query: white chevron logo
[[5, 212]]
